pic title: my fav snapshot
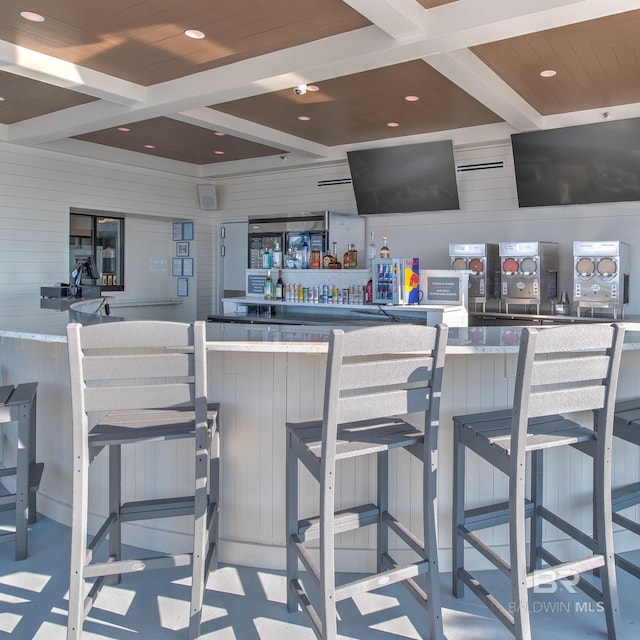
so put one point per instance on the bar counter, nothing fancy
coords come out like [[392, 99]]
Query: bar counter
[[264, 375]]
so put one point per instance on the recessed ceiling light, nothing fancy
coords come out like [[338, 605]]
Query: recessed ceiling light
[[304, 118], [149, 146], [32, 16], [392, 124], [219, 133], [412, 98], [124, 129], [548, 73], [313, 87], [2, 99], [218, 152], [194, 34]]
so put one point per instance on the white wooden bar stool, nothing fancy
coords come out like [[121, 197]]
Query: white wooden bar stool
[[18, 404], [560, 370], [148, 381], [626, 426], [375, 377]]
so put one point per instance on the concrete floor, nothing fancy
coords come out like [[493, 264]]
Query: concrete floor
[[244, 603]]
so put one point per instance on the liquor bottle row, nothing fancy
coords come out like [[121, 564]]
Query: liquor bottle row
[[304, 258]]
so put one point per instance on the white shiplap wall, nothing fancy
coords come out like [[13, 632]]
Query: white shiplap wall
[[37, 189]]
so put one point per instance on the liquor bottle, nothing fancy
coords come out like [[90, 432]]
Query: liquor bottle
[[350, 258], [335, 262], [304, 250], [277, 257], [372, 252], [267, 259], [327, 259], [279, 295], [384, 251], [316, 259], [368, 293], [268, 286]]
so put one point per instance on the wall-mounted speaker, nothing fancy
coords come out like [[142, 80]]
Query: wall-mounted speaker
[[207, 197]]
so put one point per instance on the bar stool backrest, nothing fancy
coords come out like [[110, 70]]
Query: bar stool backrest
[[137, 365], [380, 372], [566, 369]]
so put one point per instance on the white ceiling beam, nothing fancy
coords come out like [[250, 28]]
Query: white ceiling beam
[[398, 18], [474, 77], [464, 24], [231, 125], [66, 75]]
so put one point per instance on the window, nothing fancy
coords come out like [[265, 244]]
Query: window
[[101, 236]]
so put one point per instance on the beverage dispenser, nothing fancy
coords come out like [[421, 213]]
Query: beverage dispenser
[[482, 261], [528, 273], [600, 275]]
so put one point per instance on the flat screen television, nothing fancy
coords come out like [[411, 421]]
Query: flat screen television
[[578, 165], [404, 179]]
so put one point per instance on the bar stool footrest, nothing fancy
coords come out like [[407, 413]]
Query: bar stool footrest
[[157, 508], [345, 520]]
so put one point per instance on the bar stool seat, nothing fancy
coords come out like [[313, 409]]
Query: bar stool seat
[[375, 378], [18, 404], [626, 426], [560, 371], [140, 382]]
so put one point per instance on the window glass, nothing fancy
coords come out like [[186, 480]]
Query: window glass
[[103, 238]]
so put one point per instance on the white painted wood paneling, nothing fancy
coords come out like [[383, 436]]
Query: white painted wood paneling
[[38, 188]]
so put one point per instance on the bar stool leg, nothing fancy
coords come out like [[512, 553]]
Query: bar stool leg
[[23, 512], [429, 518], [604, 538], [115, 500], [327, 611], [291, 484], [383, 505], [80, 501], [518, 554], [537, 488], [32, 456], [457, 543]]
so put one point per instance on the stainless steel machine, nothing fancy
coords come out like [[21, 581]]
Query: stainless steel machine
[[482, 261], [528, 273], [600, 275]]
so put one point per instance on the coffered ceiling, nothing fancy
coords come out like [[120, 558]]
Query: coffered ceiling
[[121, 81]]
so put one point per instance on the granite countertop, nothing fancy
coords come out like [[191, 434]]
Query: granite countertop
[[46, 325]]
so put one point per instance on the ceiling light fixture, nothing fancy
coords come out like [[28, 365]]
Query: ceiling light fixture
[[124, 129], [194, 34], [149, 146], [412, 98], [313, 87], [32, 16], [219, 133], [218, 152], [304, 118], [548, 73], [2, 99], [393, 124]]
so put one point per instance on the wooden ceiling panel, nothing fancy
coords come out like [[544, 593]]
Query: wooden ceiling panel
[[430, 4], [597, 64], [23, 98], [180, 141], [357, 107], [144, 41]]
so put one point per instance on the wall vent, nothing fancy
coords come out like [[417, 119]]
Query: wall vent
[[333, 183], [481, 166]]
